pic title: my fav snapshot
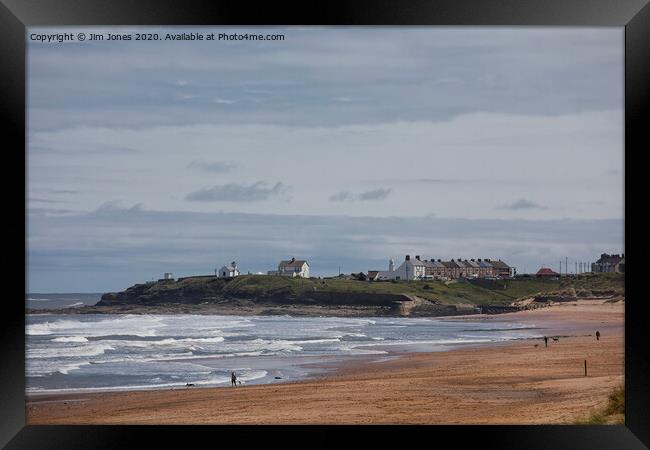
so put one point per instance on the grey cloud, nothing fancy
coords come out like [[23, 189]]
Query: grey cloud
[[521, 204], [44, 200], [527, 71], [217, 166], [341, 197], [224, 101], [64, 191], [235, 192], [115, 206], [376, 194], [437, 180]]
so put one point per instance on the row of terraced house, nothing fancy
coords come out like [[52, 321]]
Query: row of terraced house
[[422, 269]]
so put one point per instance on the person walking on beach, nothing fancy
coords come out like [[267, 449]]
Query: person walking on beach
[[545, 341], [597, 335], [233, 379]]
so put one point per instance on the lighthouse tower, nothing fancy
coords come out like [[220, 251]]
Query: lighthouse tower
[[391, 265]]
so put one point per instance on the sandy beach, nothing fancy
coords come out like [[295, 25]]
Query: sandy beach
[[521, 382]]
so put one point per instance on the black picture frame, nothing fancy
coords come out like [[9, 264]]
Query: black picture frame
[[16, 15]]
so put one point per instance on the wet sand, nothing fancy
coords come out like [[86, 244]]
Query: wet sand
[[520, 382]]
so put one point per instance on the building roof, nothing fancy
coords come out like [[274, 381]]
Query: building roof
[[296, 263], [546, 271], [372, 273], [609, 259], [450, 264], [485, 263], [414, 262], [500, 264], [471, 263]]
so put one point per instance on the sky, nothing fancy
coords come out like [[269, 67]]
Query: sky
[[345, 146]]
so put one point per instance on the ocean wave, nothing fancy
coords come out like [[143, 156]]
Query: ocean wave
[[70, 339], [66, 352], [315, 341], [42, 368], [143, 326]]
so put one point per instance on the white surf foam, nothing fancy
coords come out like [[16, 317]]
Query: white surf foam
[[70, 339]]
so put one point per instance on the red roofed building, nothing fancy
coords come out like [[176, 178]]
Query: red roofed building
[[546, 272]]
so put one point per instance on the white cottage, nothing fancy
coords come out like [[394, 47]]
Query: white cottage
[[411, 269], [230, 271], [292, 268]]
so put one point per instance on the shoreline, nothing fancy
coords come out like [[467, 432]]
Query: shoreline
[[473, 384]]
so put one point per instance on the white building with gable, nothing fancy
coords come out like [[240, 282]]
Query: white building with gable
[[230, 271]]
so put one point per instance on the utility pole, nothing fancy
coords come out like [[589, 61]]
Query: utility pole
[[576, 269], [566, 265], [560, 267]]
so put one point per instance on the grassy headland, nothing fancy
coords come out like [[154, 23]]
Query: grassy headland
[[261, 294]]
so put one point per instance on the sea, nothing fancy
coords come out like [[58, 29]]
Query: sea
[[112, 352]]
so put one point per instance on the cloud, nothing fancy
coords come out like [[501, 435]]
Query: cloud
[[344, 196], [460, 174], [224, 101], [377, 194], [44, 200], [235, 192], [521, 204], [64, 191], [417, 74], [341, 197], [217, 166], [437, 180], [115, 206]]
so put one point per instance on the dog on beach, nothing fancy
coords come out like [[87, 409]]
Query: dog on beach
[[189, 384]]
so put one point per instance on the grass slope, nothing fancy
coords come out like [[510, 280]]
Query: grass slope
[[612, 414], [461, 292]]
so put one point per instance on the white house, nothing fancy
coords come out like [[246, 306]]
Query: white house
[[292, 268], [230, 271], [409, 270]]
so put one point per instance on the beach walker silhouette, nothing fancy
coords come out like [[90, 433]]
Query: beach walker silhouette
[[545, 341], [597, 335], [233, 379]]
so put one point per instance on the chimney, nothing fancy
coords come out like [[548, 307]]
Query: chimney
[[417, 257], [408, 258], [293, 259], [479, 260], [439, 260], [472, 259]]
